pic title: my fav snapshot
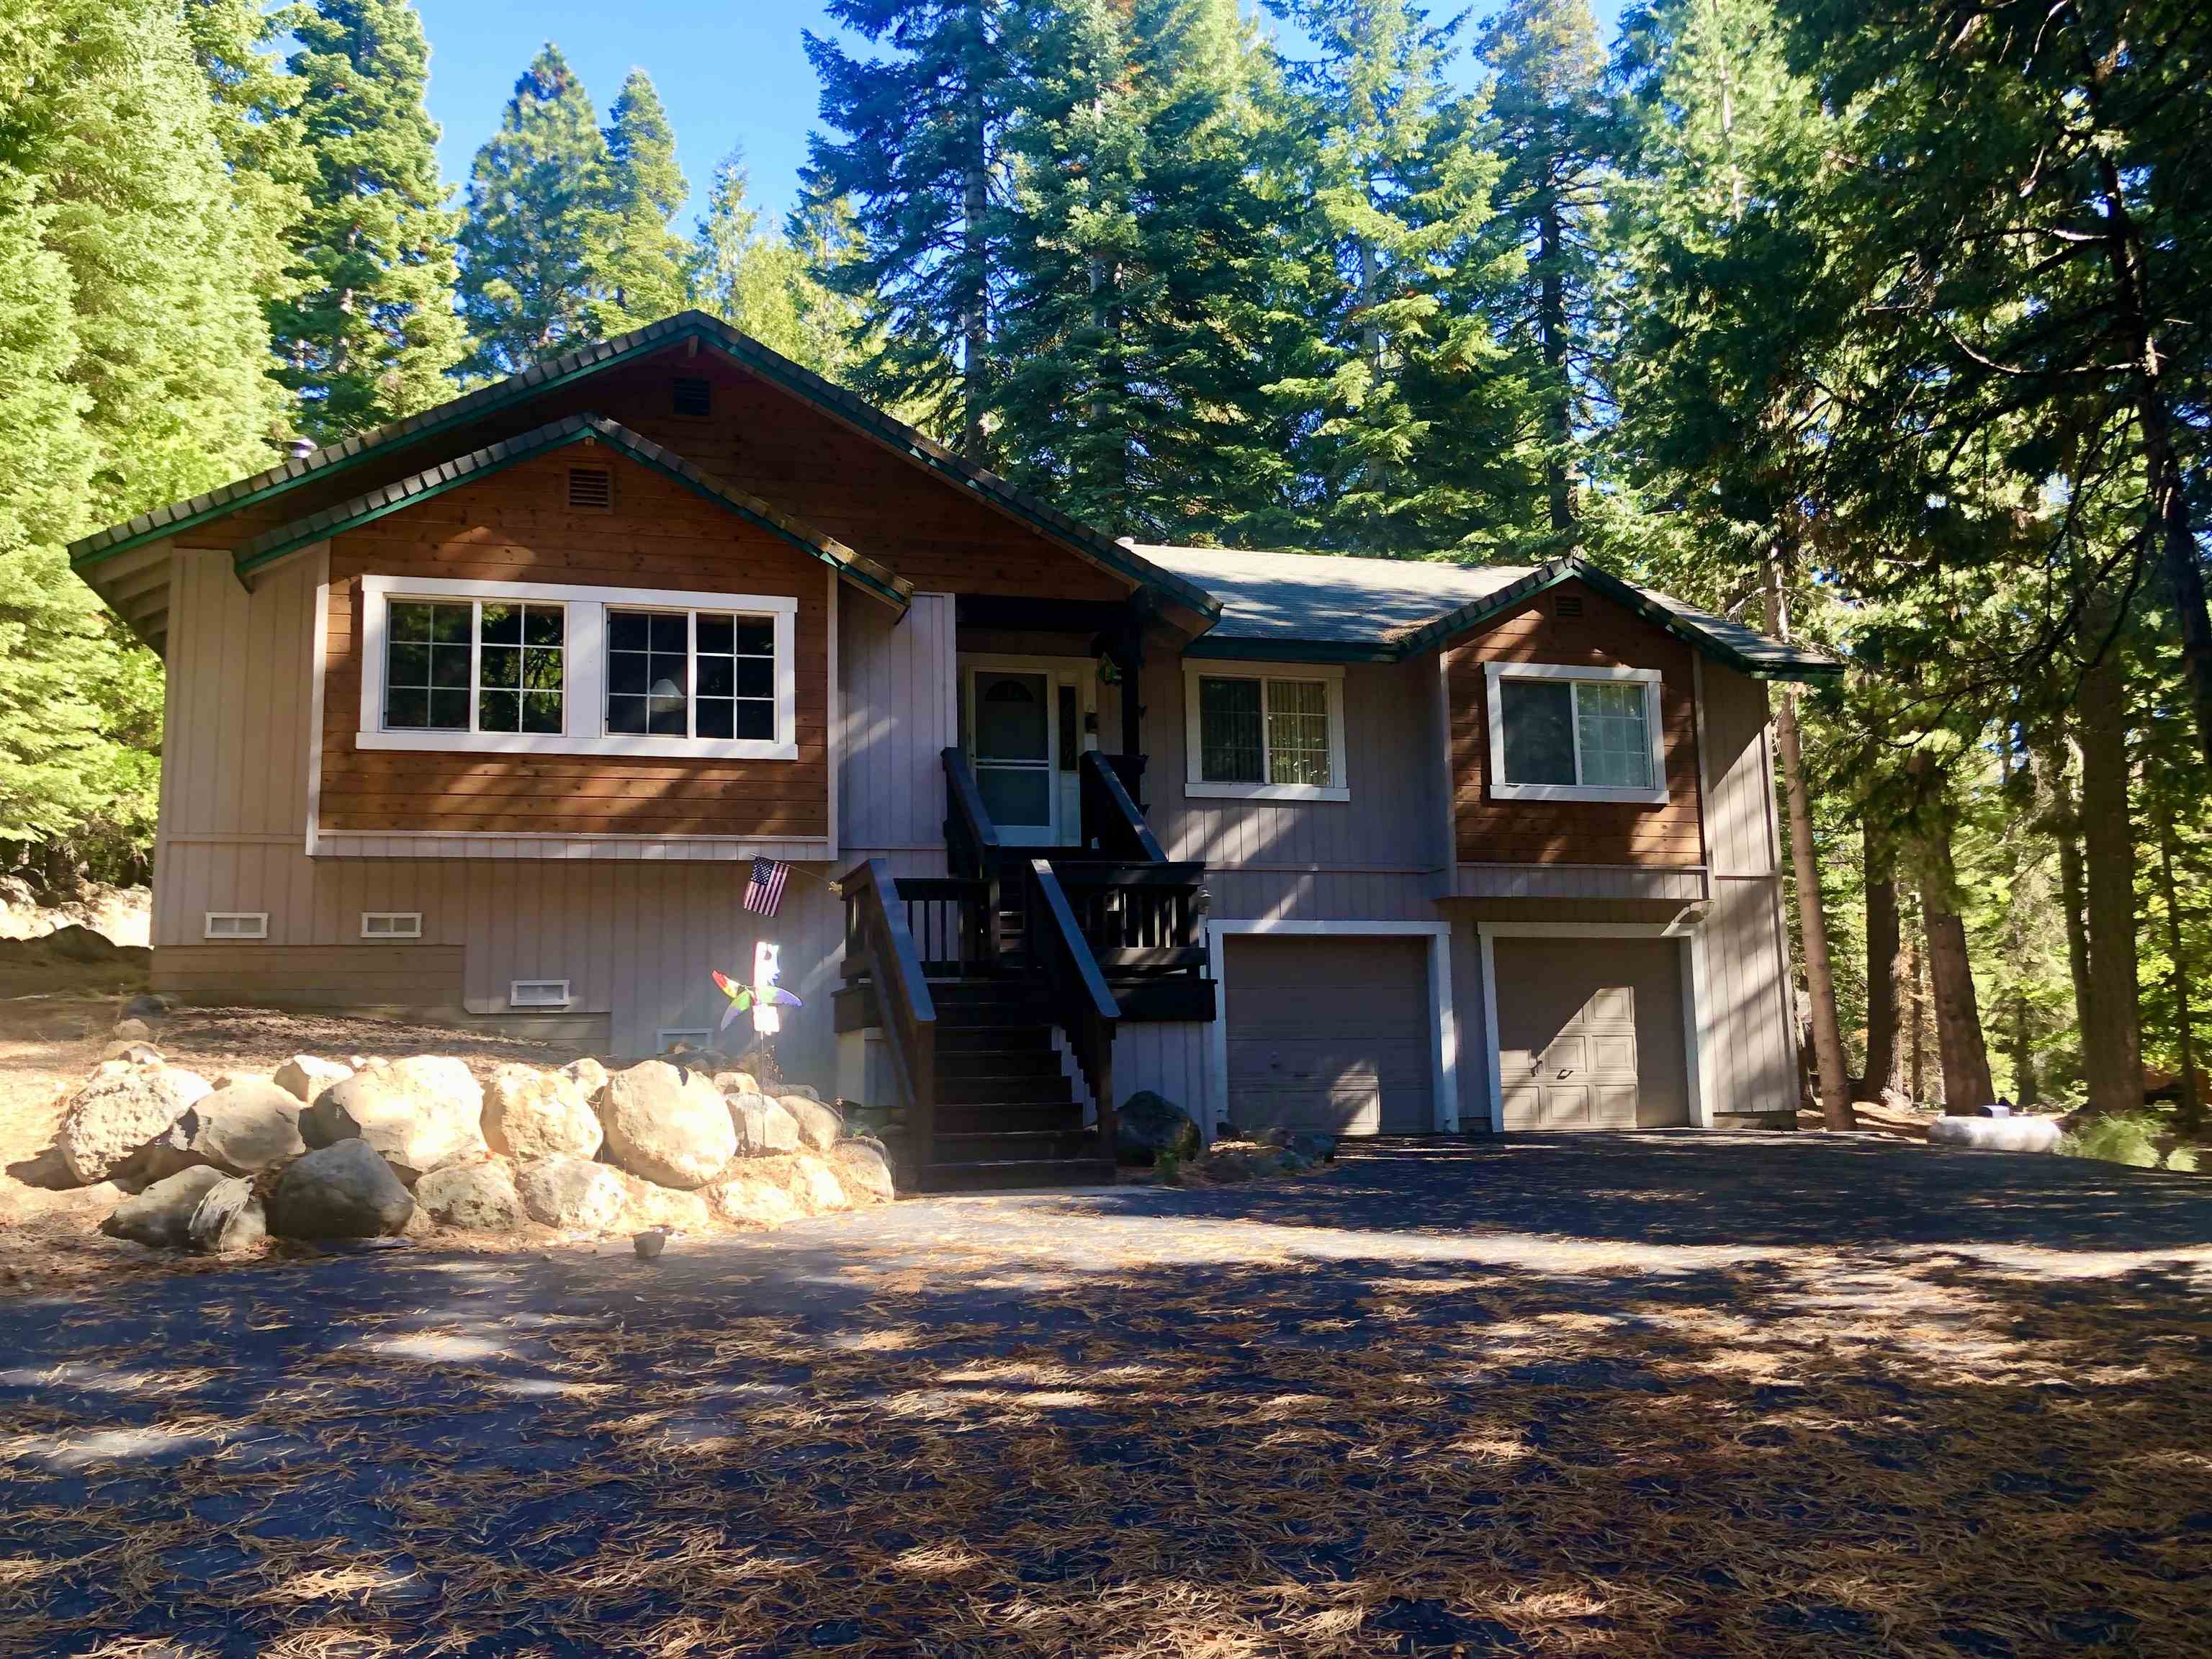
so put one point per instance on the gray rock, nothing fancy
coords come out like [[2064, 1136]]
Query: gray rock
[[162, 1215], [529, 1113], [419, 1114], [864, 1168], [480, 1197], [145, 1007], [246, 1126], [72, 943], [763, 1127], [229, 1219], [1998, 1134], [670, 1127], [307, 1077], [1149, 1124], [573, 1193], [649, 1244], [819, 1125], [345, 1190], [135, 1030], [118, 1110]]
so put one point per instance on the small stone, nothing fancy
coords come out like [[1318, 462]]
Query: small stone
[[819, 1126], [161, 1216], [820, 1186], [131, 1030], [132, 1052], [586, 1074], [230, 1218], [649, 1245], [647, 1205], [307, 1076]]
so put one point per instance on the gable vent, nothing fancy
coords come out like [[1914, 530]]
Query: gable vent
[[694, 398], [1567, 605], [591, 489]]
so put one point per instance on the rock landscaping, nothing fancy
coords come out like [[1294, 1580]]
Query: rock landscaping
[[321, 1149]]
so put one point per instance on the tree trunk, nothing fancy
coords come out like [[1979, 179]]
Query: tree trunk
[[2111, 1034], [1552, 331], [1885, 960], [1919, 1025], [2024, 1083], [1958, 1038], [1829, 1065], [2190, 1118]]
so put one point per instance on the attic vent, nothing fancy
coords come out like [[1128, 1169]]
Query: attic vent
[[591, 489], [694, 398], [1567, 605]]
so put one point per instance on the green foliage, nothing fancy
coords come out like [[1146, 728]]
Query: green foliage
[[371, 335], [2130, 1138], [648, 264]]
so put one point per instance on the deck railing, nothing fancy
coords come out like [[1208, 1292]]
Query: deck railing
[[1140, 919], [1082, 1004], [1111, 822], [879, 943]]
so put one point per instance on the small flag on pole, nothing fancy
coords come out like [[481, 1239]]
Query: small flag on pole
[[764, 892]]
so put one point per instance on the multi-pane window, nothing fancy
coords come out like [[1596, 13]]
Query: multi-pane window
[[690, 674], [473, 665], [1557, 733], [1265, 731]]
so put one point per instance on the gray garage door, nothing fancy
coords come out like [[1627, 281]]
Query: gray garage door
[[1329, 1034], [1590, 1033]]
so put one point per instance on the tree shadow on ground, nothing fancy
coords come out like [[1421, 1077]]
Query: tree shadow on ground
[[1428, 1403]]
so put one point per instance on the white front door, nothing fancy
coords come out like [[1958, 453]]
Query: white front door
[[1014, 742]]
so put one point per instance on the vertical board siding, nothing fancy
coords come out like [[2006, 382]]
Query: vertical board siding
[[897, 718], [1746, 996], [1170, 1059]]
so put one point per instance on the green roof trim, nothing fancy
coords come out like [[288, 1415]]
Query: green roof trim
[[740, 349], [288, 539]]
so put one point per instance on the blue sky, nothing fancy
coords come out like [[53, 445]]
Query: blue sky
[[730, 72]]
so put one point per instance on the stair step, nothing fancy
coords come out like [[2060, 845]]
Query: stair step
[[1037, 1061], [1002, 1091], [1020, 1145], [992, 1117], [1004, 1175], [991, 1039]]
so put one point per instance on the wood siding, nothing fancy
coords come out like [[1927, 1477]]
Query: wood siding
[[899, 714], [516, 526], [1488, 831]]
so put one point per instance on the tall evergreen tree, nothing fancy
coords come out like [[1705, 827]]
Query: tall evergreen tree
[[371, 332], [647, 263], [1422, 410], [535, 276], [764, 283], [917, 156], [258, 127], [1548, 97]]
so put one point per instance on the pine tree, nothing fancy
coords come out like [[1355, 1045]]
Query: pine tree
[[764, 283], [1422, 410], [536, 277], [373, 334], [1549, 101], [917, 156], [257, 124], [647, 264]]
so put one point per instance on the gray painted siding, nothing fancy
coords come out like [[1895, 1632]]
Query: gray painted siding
[[1173, 1059], [897, 715]]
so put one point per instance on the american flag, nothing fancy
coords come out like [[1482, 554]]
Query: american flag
[[764, 892]]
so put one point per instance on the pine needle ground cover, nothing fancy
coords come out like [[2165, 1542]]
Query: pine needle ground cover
[[1689, 1395]]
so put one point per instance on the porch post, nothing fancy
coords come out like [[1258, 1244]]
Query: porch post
[[1130, 656]]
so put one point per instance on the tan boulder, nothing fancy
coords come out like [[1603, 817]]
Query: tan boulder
[[480, 1197], [819, 1125], [419, 1114], [864, 1170], [667, 1125], [573, 1193], [240, 1128], [529, 1113], [307, 1076], [119, 1109], [646, 1204], [764, 1128]]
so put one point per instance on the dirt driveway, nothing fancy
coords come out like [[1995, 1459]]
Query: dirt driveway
[[1665, 1394]]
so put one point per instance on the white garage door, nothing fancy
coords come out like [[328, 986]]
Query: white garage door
[[1590, 1033], [1329, 1034]]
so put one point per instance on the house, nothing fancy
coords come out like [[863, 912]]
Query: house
[[490, 710]]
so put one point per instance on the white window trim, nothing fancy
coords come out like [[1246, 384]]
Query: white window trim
[[583, 700], [257, 926], [516, 999], [1195, 783], [1502, 789], [397, 924]]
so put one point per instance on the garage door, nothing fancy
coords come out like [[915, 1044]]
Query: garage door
[[1329, 1034], [1590, 1033]]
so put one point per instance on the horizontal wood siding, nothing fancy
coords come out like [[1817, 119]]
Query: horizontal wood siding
[[390, 976], [516, 526], [898, 715], [1572, 832]]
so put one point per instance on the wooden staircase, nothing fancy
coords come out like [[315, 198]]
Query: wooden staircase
[[1007, 1114]]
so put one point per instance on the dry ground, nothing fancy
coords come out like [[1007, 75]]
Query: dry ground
[[1668, 1394]]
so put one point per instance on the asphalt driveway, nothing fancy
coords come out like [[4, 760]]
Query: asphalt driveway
[[1690, 1394]]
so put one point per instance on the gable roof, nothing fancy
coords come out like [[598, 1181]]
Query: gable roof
[[598, 357], [288, 538], [1317, 607]]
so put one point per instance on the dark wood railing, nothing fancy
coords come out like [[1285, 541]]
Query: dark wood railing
[[879, 943], [949, 920], [1082, 1004], [1111, 822], [1140, 919], [971, 840]]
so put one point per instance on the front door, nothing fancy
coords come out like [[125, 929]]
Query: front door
[[1014, 738]]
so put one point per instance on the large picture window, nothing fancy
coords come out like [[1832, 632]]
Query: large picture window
[[517, 668], [1565, 733], [1265, 735]]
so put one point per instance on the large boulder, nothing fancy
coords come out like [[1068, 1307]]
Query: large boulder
[[480, 1197], [240, 1128], [306, 1077], [646, 1204], [73, 942], [1148, 1125], [1998, 1134], [529, 1113], [419, 1114], [864, 1169], [572, 1193], [228, 1219], [162, 1215], [344, 1190], [667, 1125], [743, 1201], [818, 1125], [120, 1109], [763, 1127]]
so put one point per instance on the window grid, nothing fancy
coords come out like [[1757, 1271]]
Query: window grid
[[1262, 731], [1611, 732], [727, 663], [441, 674]]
